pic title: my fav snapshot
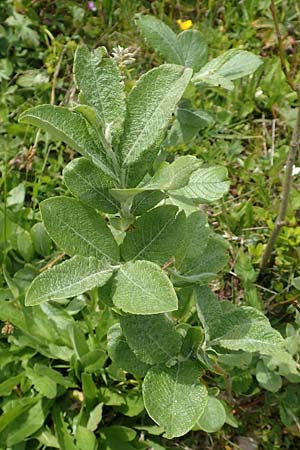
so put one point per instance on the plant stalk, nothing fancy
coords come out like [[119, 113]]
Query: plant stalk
[[287, 183]]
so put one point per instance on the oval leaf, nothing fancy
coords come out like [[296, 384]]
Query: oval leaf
[[213, 417], [73, 277], [143, 288], [174, 397], [120, 352], [100, 83], [69, 127], [205, 185], [90, 184], [193, 48], [149, 108], [153, 339], [161, 38], [156, 235], [78, 230]]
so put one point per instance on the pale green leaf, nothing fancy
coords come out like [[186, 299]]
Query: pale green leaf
[[296, 283], [95, 417], [161, 38], [211, 260], [143, 287], [197, 237], [153, 339], [120, 352], [213, 417], [69, 127], [209, 310], [174, 397], [101, 85], [193, 48], [247, 329], [73, 277], [267, 379], [205, 185], [91, 185], [156, 235], [232, 65], [174, 175], [85, 439], [78, 229], [149, 108]]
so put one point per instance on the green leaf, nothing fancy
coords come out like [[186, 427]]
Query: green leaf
[[100, 83], [194, 118], [91, 185], [73, 277], [42, 384], [242, 328], [120, 352], [85, 439], [153, 339], [156, 235], [232, 65], [95, 417], [213, 417], [267, 379], [143, 287], [247, 329], [78, 229], [212, 259], [161, 38], [22, 421], [209, 310], [149, 108], [296, 283], [193, 47], [69, 127], [197, 237], [174, 397], [25, 245], [205, 185], [174, 175], [65, 440], [145, 200], [41, 241]]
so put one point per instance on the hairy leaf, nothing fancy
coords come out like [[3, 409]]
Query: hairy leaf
[[149, 108], [121, 353], [73, 277], [78, 230], [91, 185], [205, 185], [174, 175], [161, 38], [193, 48], [71, 128], [156, 235], [143, 287], [153, 339], [174, 397], [213, 417], [100, 83], [247, 329], [232, 65]]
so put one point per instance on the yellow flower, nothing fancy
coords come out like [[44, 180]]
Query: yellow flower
[[184, 24]]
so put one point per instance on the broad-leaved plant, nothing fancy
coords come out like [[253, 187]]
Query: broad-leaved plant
[[132, 230]]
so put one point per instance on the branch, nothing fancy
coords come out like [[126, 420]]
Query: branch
[[287, 183]]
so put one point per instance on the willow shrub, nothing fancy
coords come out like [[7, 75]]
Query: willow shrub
[[132, 224]]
